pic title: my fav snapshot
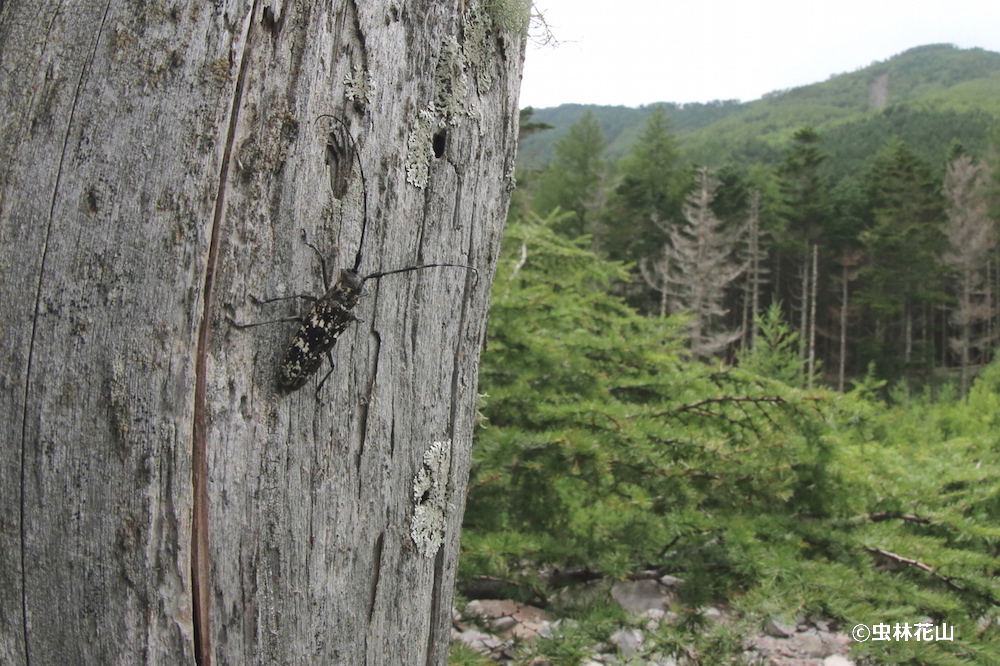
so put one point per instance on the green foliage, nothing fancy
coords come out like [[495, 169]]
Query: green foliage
[[606, 450], [573, 181], [651, 187], [511, 15], [775, 352], [930, 486], [462, 655], [693, 640], [621, 124], [599, 429], [903, 245], [936, 93], [806, 191], [929, 130]]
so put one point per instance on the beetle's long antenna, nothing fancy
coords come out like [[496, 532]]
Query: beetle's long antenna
[[371, 276], [364, 187]]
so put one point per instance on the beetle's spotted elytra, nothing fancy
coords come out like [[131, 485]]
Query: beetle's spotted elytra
[[332, 312], [324, 323]]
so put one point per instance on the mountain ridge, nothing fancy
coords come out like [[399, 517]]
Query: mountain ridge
[[907, 95]]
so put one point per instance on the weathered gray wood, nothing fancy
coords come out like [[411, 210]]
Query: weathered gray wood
[[118, 124]]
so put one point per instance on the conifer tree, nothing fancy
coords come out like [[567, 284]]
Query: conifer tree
[[808, 199], [651, 187], [775, 351], [902, 278], [576, 181]]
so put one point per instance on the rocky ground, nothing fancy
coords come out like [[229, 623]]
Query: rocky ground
[[494, 627]]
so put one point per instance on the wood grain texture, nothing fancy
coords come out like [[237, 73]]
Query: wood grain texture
[[134, 139]]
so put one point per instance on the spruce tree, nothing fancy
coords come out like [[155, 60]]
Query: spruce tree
[[576, 180], [807, 197], [651, 187], [902, 277]]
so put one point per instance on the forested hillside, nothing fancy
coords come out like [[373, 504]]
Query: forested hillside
[[608, 454], [753, 356], [849, 203], [911, 95]]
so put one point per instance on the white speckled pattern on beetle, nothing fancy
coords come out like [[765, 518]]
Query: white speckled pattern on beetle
[[327, 319]]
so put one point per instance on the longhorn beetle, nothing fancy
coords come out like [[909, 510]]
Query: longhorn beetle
[[331, 313]]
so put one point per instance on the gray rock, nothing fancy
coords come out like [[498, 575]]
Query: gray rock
[[597, 591], [628, 641], [837, 660], [714, 614], [481, 642], [546, 630], [656, 614], [503, 624], [527, 630], [655, 617], [470, 635], [811, 644], [637, 596], [491, 607], [530, 614], [779, 629], [671, 581]]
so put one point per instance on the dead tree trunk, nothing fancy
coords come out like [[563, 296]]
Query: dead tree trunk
[[159, 497], [814, 281]]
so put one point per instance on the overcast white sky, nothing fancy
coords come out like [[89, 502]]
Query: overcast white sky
[[636, 52]]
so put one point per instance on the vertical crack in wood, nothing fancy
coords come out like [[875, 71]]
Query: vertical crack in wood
[[200, 563], [377, 565], [436, 619], [366, 399], [84, 75]]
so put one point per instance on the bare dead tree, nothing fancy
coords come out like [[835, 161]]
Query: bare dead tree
[[849, 261], [698, 263], [972, 237], [814, 281], [756, 271]]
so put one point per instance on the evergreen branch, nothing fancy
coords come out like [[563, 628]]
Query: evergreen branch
[[483, 482], [918, 564], [695, 406], [947, 580], [704, 413], [726, 399], [882, 516], [593, 422]]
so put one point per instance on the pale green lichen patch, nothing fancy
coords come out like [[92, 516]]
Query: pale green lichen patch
[[420, 147], [451, 83], [480, 49], [360, 88], [510, 181], [451, 92], [475, 55], [510, 15], [430, 499]]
